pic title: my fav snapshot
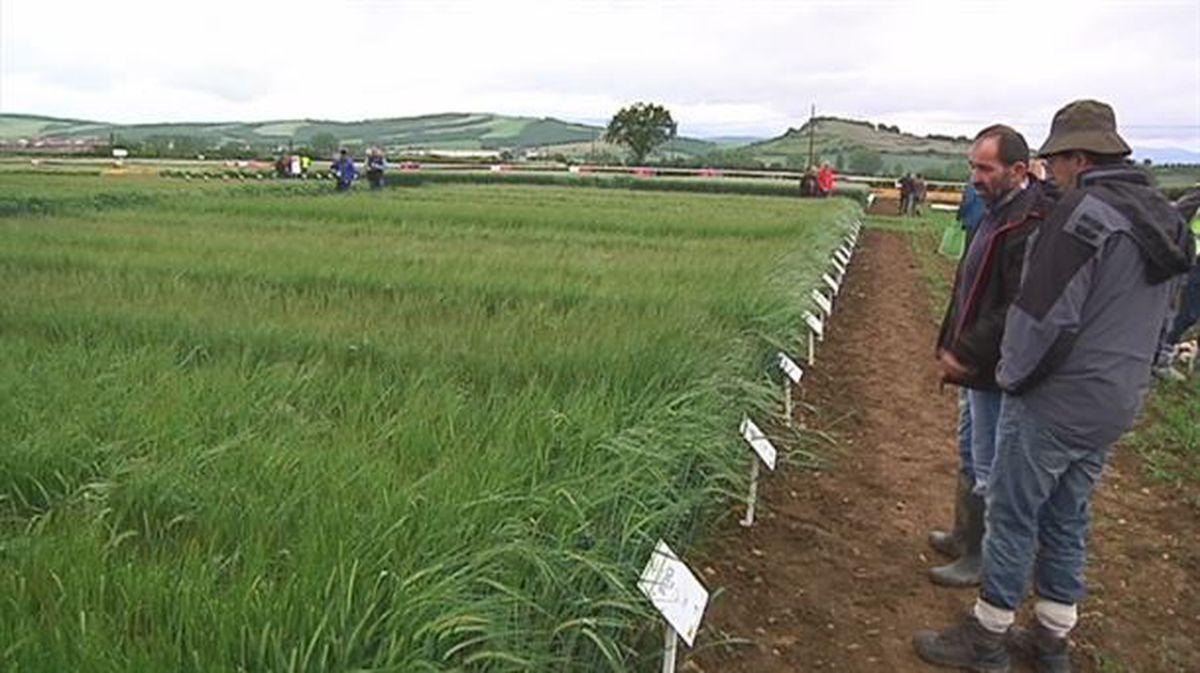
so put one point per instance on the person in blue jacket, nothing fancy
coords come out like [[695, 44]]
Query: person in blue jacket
[[970, 212], [344, 170]]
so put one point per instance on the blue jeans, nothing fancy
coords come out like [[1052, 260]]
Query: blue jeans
[[985, 416], [965, 465], [1189, 308], [1039, 507]]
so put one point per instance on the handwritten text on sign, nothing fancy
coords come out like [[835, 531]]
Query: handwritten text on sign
[[758, 441], [675, 591]]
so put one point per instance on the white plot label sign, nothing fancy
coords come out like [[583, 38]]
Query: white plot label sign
[[838, 266], [823, 302], [833, 285], [816, 325], [758, 441], [674, 591], [789, 367]]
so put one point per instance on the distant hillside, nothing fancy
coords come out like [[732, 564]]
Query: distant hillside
[[451, 131], [863, 147]]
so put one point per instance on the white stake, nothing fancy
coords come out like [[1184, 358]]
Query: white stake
[[752, 499], [812, 350], [787, 401], [670, 645]]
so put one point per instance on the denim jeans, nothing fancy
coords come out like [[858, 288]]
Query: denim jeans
[[1039, 507], [1189, 308], [965, 465], [985, 416]]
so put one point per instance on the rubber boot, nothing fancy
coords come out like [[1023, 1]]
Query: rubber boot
[[1047, 652], [966, 571], [951, 544], [967, 646]]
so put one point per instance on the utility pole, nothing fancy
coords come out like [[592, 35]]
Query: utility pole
[[811, 124]]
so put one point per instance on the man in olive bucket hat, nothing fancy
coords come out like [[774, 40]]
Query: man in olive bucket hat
[[1079, 341]]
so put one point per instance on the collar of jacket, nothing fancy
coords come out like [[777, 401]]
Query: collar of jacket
[[1120, 172], [1015, 206]]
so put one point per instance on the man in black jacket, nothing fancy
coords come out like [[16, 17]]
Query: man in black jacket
[[968, 346], [1079, 341]]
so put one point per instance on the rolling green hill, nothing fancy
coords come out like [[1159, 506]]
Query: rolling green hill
[[451, 131], [863, 147]]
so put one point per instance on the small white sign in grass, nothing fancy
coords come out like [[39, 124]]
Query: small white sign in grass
[[765, 450], [789, 367], [757, 439], [822, 302], [677, 595], [838, 267], [815, 324], [833, 284]]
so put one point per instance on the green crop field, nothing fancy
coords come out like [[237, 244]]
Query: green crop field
[[268, 427]]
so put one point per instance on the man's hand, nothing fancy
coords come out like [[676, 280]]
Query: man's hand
[[953, 371]]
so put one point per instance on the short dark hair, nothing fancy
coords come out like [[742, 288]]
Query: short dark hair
[[1013, 147]]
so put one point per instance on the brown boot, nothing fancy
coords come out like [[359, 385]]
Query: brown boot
[[1047, 652], [968, 646]]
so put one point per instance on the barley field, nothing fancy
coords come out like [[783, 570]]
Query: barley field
[[268, 427]]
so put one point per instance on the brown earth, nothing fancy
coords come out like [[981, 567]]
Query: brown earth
[[832, 576]]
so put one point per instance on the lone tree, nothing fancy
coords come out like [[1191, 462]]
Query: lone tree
[[642, 127]]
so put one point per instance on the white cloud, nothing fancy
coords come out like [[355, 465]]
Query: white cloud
[[723, 67]]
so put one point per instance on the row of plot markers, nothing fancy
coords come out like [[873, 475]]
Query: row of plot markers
[[667, 581]]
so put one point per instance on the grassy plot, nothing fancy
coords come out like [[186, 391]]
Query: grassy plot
[[434, 428], [1169, 440]]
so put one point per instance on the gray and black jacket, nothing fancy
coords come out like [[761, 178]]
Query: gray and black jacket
[[986, 283], [1080, 337]]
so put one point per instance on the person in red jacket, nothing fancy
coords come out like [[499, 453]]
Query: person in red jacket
[[826, 180]]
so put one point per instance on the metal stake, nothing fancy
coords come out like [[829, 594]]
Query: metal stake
[[670, 644]]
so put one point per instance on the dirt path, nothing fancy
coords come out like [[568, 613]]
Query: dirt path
[[832, 578]]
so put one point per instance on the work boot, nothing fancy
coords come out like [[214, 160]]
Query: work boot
[[968, 646], [966, 571], [951, 544], [1038, 645]]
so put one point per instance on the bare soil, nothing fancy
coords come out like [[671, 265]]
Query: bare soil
[[833, 575]]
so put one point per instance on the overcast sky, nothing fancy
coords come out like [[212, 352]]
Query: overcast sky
[[751, 67]]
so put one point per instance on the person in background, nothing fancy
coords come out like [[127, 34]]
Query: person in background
[[970, 211], [808, 183], [906, 191], [826, 180], [919, 192], [1188, 310], [1078, 345], [344, 170], [376, 163]]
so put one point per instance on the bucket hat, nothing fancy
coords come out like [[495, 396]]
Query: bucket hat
[[1084, 125]]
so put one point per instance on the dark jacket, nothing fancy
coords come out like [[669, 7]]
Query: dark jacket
[[986, 286], [1081, 336]]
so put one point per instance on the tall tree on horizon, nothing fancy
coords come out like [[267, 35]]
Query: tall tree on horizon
[[641, 127]]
